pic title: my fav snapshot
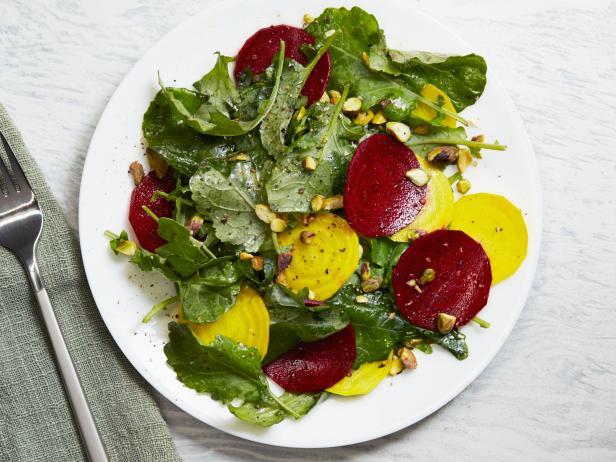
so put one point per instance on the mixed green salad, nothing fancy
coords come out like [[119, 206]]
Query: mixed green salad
[[303, 206]]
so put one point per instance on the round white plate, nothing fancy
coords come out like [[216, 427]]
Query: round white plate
[[124, 295]]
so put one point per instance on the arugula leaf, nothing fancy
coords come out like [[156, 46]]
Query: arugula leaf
[[291, 187], [454, 341], [229, 201], [205, 115], [439, 136], [183, 252], [218, 86], [229, 372], [386, 253], [359, 34], [281, 340], [206, 303]]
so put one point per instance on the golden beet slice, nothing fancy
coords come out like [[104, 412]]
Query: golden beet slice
[[363, 380], [327, 261], [436, 95], [498, 225], [247, 322]]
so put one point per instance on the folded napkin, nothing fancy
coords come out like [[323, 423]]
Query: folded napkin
[[35, 418]]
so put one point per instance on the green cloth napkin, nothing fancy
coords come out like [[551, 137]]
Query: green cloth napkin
[[35, 419]]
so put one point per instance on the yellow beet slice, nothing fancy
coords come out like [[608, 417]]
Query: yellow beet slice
[[426, 113], [326, 263], [437, 212], [498, 226], [363, 380], [247, 322]]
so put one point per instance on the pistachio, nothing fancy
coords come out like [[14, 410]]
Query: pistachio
[[365, 58], [310, 218], [278, 225], [364, 118], [361, 299], [421, 129], [306, 237], [365, 271], [324, 98], [308, 18], [396, 366], [465, 159], [281, 279], [334, 96], [317, 202], [283, 261], [379, 118], [413, 342], [311, 294], [428, 276], [447, 154], [309, 163], [411, 283], [418, 177], [194, 224], [157, 164], [478, 138], [241, 157], [246, 256], [463, 186], [351, 106], [333, 203], [257, 263], [127, 248], [407, 357], [329, 33], [372, 284], [136, 170], [301, 113], [445, 323], [264, 213], [399, 131]]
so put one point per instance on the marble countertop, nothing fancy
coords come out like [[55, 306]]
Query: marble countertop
[[550, 394]]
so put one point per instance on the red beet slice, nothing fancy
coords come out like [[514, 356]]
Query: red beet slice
[[259, 51], [461, 285], [144, 225], [378, 197], [315, 366]]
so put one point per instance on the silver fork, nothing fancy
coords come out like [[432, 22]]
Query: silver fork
[[21, 222]]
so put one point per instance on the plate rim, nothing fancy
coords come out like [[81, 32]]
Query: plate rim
[[345, 440]]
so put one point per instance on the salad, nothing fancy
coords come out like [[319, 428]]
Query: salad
[[302, 199]]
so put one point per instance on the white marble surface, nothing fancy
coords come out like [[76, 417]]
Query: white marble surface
[[550, 394]]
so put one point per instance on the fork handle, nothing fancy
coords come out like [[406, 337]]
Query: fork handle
[[81, 410]]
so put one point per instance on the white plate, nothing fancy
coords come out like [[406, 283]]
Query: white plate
[[124, 295]]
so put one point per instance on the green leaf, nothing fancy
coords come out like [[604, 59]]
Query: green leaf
[[183, 252], [291, 187], [228, 372], [202, 302], [218, 86], [438, 136], [147, 261], [386, 253], [229, 201], [454, 341], [281, 340], [204, 115]]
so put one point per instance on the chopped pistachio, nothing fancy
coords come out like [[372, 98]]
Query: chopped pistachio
[[478, 138], [278, 225], [447, 154], [372, 284], [399, 131], [324, 98], [365, 271], [317, 202], [329, 33], [136, 171], [413, 342], [309, 163], [335, 96], [241, 157], [246, 256], [361, 299], [463, 186], [194, 224], [364, 118], [257, 263], [445, 323], [428, 276], [418, 177], [306, 237], [365, 58], [264, 213], [379, 118], [465, 159], [127, 248], [421, 129], [333, 203], [351, 105], [301, 113], [311, 294], [157, 163], [396, 366], [308, 18], [407, 357], [411, 283], [281, 279]]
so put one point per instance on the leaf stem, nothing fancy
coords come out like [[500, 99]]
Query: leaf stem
[[461, 141], [110, 235], [481, 322], [275, 242], [171, 197], [147, 210], [159, 307], [455, 177], [320, 52], [287, 409]]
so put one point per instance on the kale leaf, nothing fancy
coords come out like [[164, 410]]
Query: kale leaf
[[385, 253], [182, 251]]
